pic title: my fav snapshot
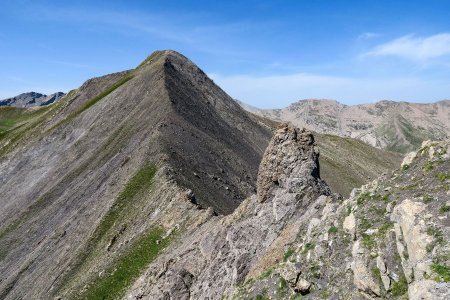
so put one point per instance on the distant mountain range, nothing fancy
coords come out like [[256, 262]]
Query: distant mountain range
[[394, 126], [31, 99]]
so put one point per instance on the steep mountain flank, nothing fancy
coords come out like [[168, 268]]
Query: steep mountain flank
[[31, 99], [93, 178], [394, 126]]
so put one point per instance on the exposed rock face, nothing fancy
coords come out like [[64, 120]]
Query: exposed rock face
[[395, 126], [289, 146], [31, 99]]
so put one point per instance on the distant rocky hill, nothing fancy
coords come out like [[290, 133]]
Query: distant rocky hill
[[394, 126], [31, 99]]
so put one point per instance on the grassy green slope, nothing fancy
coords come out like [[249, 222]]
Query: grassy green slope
[[347, 163], [120, 272]]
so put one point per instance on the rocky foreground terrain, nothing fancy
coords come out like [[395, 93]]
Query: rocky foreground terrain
[[153, 183], [394, 126], [389, 240], [31, 99]]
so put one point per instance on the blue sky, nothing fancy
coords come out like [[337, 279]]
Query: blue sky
[[265, 53]]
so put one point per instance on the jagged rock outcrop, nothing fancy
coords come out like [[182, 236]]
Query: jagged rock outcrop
[[226, 251], [281, 161]]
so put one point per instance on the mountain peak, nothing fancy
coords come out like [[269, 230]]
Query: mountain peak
[[167, 55]]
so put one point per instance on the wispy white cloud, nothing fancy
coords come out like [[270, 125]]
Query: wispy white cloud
[[368, 35], [68, 64], [17, 79], [415, 48], [171, 27], [279, 91]]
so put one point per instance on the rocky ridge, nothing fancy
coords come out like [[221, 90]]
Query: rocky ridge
[[31, 99]]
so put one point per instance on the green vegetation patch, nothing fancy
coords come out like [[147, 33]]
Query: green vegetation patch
[[427, 199], [385, 228], [332, 230], [262, 296], [141, 253], [368, 241], [443, 177], [428, 166], [376, 274], [364, 224], [290, 251], [21, 123], [307, 247], [282, 286], [444, 208], [405, 167], [6, 124], [266, 273], [152, 56], [438, 236], [363, 197], [140, 181], [126, 270], [399, 287], [442, 272]]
